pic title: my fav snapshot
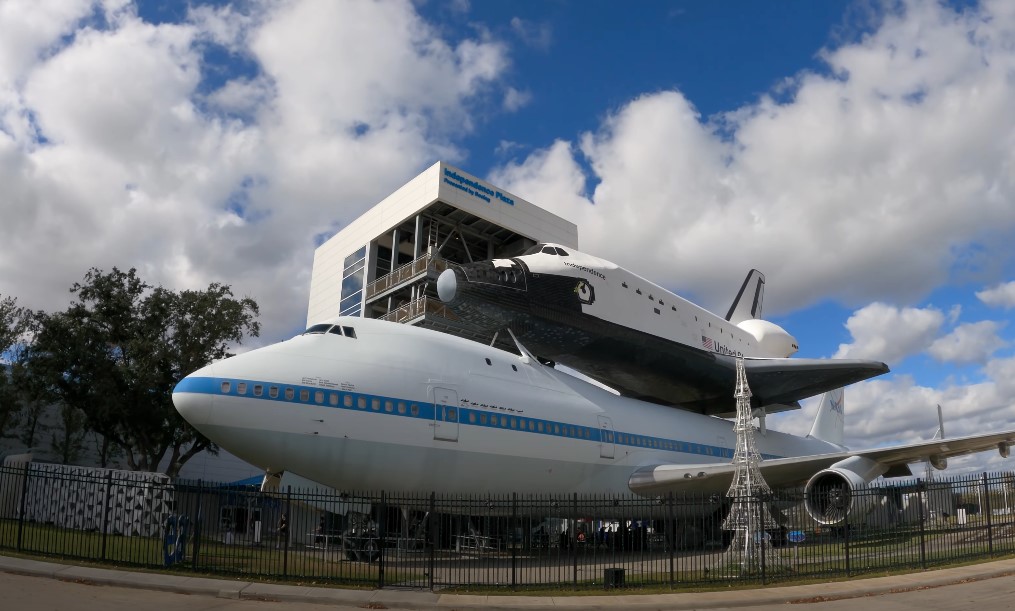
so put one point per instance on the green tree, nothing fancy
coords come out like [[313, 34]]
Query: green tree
[[117, 352], [68, 438], [14, 325]]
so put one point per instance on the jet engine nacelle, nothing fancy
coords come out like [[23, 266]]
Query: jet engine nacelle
[[773, 340], [831, 497]]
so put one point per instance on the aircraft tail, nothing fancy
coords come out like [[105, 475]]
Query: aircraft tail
[[747, 304], [830, 422]]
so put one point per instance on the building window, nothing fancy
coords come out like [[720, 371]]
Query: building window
[[352, 283], [273, 392], [225, 387], [289, 394], [241, 388], [361, 402], [304, 394], [258, 390], [333, 399], [319, 396]]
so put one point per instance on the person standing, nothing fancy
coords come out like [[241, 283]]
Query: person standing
[[283, 531]]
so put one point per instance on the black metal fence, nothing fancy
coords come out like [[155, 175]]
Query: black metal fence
[[517, 541]]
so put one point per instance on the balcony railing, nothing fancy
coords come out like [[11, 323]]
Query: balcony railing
[[417, 308], [409, 271]]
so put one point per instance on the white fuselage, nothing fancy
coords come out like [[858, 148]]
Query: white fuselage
[[408, 409]]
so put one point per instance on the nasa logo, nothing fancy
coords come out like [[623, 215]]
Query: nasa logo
[[586, 294]]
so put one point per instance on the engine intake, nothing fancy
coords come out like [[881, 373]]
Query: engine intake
[[831, 496]]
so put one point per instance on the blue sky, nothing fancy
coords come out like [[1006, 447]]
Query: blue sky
[[858, 153]]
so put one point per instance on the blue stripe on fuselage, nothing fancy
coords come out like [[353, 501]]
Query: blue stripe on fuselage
[[466, 416]]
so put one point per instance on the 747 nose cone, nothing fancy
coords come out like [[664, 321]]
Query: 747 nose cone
[[447, 285], [193, 396]]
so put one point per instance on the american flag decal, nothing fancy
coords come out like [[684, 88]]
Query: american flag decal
[[706, 342]]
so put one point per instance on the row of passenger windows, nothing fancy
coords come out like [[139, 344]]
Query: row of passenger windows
[[529, 424], [333, 399], [482, 418]]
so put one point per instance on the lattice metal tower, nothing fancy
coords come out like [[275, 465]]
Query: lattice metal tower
[[749, 515]]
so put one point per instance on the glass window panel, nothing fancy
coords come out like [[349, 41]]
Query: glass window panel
[[356, 256], [352, 284]]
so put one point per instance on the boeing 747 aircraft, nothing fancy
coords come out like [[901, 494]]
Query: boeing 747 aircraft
[[637, 337], [361, 404]]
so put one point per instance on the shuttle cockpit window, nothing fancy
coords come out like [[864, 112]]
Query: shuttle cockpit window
[[549, 250], [561, 252], [321, 328], [533, 249], [349, 332], [336, 330]]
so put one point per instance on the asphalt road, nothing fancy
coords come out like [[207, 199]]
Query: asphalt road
[[24, 593]]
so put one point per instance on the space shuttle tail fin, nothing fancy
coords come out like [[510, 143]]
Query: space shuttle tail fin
[[829, 425], [747, 305]]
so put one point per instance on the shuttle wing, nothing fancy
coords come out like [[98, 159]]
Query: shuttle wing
[[717, 477], [783, 381], [671, 373]]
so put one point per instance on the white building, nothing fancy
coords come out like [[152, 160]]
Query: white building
[[385, 263]]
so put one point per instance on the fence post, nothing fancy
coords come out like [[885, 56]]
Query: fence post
[[922, 487], [285, 536], [432, 533], [990, 523], [197, 525], [574, 537], [21, 509], [381, 531], [763, 541], [845, 530], [673, 535], [105, 512], [514, 544]]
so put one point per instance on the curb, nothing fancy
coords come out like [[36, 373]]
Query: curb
[[401, 599]]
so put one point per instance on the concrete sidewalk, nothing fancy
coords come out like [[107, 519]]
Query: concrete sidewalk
[[397, 599]]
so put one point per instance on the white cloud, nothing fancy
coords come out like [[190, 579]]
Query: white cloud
[[1002, 295], [536, 35], [515, 99], [896, 410], [888, 333], [113, 153], [871, 183], [969, 343]]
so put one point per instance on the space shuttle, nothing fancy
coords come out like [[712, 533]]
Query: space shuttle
[[363, 404], [639, 338]]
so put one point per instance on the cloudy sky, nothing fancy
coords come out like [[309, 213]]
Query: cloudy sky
[[861, 154]]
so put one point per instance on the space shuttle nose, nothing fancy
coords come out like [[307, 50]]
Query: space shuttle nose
[[193, 396], [447, 286]]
